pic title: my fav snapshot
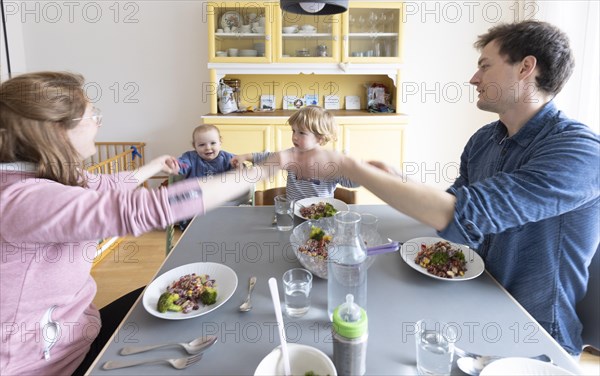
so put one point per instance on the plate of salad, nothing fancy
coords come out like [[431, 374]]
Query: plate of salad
[[440, 259], [318, 207], [190, 290]]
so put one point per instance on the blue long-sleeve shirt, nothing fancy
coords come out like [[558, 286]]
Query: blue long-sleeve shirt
[[530, 205], [191, 165]]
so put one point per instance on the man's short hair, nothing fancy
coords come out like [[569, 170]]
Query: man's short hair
[[547, 43]]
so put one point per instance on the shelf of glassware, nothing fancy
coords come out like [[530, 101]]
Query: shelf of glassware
[[372, 32]]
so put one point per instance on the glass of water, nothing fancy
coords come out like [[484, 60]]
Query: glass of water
[[284, 213], [297, 284], [435, 347]]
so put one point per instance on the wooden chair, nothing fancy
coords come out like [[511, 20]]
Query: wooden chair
[[267, 197], [347, 195]]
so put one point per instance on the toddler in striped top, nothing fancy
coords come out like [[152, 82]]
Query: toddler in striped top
[[312, 127]]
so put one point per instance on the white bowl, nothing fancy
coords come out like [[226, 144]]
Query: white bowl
[[302, 359], [318, 265], [289, 29]]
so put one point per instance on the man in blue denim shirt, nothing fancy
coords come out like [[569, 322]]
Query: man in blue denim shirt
[[528, 197]]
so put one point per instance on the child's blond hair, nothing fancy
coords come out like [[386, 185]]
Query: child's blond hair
[[316, 120], [204, 128]]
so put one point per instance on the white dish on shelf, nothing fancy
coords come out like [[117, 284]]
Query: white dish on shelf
[[248, 53], [231, 19], [226, 282], [411, 248]]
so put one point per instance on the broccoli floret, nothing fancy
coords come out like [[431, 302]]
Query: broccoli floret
[[316, 233], [209, 296], [166, 302]]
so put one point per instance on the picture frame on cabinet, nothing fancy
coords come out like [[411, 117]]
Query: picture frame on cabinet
[[331, 102], [311, 100], [291, 102], [267, 102], [352, 102]]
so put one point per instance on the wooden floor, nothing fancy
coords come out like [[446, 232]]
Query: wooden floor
[[136, 260], [131, 265]]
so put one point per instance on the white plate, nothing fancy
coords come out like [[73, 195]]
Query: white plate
[[231, 19], [337, 204], [522, 366], [225, 281], [410, 249]]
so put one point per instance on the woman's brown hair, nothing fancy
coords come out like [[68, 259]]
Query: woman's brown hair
[[36, 110]]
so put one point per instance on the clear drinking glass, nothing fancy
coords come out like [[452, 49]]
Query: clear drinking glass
[[297, 284], [284, 213], [435, 347]]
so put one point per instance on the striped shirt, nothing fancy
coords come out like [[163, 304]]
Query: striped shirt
[[298, 189]]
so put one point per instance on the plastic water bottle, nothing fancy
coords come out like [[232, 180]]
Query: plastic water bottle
[[350, 334], [346, 267]]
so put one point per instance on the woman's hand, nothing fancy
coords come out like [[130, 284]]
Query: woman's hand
[[167, 164], [238, 160], [164, 163]]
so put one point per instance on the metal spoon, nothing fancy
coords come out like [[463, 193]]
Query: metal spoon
[[194, 347], [247, 305], [473, 364]]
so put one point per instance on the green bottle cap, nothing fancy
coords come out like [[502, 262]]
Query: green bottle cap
[[350, 320]]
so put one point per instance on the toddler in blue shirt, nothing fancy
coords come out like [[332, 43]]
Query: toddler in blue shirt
[[207, 158]]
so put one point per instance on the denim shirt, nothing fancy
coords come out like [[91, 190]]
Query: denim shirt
[[191, 165], [530, 205]]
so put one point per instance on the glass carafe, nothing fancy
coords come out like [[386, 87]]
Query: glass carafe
[[346, 267]]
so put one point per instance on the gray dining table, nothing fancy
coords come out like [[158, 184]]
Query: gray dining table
[[488, 319]]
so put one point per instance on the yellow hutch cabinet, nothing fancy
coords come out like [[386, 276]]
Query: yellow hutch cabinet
[[282, 55]]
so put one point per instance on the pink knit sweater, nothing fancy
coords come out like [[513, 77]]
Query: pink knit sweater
[[48, 238]]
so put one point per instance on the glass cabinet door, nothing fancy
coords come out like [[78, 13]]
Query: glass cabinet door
[[373, 32], [239, 32], [307, 37]]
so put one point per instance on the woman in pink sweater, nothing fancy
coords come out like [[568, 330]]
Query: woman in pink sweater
[[52, 213]]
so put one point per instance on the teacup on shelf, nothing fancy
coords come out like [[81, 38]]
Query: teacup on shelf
[[290, 29], [308, 28]]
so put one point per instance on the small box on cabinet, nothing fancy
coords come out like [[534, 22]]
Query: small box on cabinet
[[331, 102], [352, 102], [267, 102]]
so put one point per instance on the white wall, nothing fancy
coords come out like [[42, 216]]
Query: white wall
[[146, 66]]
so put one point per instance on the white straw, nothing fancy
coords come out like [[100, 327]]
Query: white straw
[[277, 306]]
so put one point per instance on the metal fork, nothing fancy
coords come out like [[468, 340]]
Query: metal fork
[[178, 363]]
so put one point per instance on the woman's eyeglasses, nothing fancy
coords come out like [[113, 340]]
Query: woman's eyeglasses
[[96, 116]]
